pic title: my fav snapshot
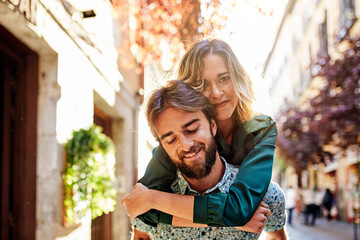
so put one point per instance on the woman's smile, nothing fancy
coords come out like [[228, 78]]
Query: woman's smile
[[221, 104]]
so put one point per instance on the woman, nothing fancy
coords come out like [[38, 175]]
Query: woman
[[210, 66]]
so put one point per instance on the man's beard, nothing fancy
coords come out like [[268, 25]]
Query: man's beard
[[198, 169]]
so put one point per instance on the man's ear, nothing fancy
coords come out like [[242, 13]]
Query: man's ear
[[213, 127]]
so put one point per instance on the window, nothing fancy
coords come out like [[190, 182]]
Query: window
[[347, 13], [323, 38]]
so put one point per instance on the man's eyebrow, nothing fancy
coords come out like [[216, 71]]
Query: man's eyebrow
[[189, 123], [166, 135], [183, 127]]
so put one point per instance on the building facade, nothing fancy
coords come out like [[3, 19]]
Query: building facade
[[309, 30], [59, 72]]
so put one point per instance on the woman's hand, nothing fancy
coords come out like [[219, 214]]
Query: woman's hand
[[257, 222], [137, 201]]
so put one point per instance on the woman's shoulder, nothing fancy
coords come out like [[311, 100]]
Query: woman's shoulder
[[260, 123]]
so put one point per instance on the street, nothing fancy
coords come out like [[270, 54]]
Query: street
[[321, 231]]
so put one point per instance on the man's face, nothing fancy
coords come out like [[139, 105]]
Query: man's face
[[189, 141]]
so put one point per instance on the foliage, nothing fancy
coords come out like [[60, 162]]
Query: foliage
[[333, 116], [174, 22], [89, 176]]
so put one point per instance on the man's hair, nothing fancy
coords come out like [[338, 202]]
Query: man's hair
[[190, 71], [179, 95]]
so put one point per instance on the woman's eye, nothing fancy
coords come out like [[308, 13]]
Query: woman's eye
[[226, 78]]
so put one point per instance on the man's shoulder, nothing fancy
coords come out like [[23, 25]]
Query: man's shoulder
[[274, 192], [275, 199], [229, 177]]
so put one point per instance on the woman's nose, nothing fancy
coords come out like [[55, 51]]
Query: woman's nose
[[215, 91]]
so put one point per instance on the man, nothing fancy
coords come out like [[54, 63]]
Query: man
[[290, 195], [183, 122]]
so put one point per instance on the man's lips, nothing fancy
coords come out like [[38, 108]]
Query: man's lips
[[191, 155], [221, 104]]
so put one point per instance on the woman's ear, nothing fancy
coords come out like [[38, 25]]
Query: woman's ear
[[213, 127]]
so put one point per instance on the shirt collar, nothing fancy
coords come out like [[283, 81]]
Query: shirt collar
[[220, 186]]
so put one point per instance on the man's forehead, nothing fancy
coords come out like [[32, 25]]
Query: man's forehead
[[175, 118]]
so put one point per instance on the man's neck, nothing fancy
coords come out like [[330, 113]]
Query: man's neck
[[215, 175]]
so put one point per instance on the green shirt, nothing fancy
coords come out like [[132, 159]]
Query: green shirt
[[252, 148]]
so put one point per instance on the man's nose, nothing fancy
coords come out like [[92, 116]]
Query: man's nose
[[186, 143]]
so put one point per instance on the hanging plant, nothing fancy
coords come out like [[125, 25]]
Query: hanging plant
[[89, 174]]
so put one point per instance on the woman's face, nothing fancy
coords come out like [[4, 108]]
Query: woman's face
[[218, 87]]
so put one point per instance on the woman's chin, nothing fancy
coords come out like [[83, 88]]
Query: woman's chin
[[223, 118]]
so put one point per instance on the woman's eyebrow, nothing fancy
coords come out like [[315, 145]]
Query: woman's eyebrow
[[220, 74], [223, 73]]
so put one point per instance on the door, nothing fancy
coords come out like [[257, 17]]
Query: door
[[18, 107], [101, 226]]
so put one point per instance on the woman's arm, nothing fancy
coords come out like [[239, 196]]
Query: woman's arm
[[237, 207], [159, 175], [255, 225], [142, 199]]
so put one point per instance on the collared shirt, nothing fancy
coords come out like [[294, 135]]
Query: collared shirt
[[274, 198]]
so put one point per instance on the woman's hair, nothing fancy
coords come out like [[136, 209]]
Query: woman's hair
[[179, 95], [190, 71]]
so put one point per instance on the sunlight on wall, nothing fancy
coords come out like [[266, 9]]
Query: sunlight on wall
[[251, 31]]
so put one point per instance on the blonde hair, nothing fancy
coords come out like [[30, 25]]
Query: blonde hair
[[190, 71]]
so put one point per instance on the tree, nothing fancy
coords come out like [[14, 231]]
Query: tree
[[333, 116], [174, 22], [297, 140], [337, 106]]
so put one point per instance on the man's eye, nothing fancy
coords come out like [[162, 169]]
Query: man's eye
[[224, 79], [192, 131], [171, 141]]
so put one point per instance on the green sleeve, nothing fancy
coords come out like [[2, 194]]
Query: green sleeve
[[237, 207], [159, 175]]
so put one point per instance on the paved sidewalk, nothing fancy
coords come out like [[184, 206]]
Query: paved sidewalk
[[322, 230]]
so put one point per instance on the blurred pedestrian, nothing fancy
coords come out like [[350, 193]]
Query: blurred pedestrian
[[327, 203], [319, 196], [298, 202], [290, 196], [310, 208]]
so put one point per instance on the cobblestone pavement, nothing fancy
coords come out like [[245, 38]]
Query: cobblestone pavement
[[322, 230]]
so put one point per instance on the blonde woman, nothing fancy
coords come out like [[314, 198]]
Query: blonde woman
[[243, 139]]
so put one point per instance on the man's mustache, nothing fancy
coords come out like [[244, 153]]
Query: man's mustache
[[193, 148]]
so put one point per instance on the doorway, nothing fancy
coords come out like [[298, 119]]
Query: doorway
[[101, 227], [18, 107]]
